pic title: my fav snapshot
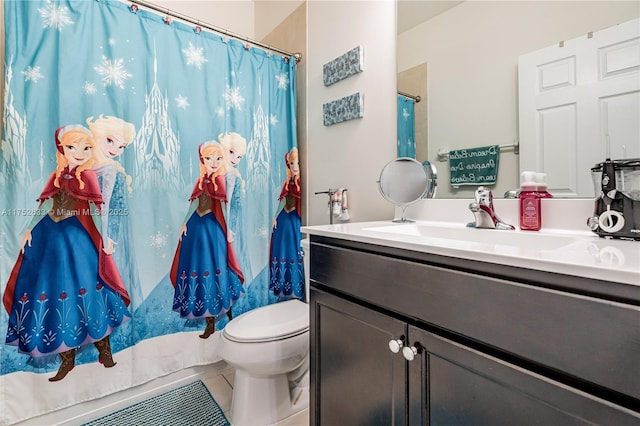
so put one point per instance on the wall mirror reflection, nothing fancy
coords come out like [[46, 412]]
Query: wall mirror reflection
[[461, 58]]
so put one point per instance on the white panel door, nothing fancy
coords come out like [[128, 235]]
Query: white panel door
[[579, 102]]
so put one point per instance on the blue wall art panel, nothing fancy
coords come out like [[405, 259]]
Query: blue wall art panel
[[343, 66], [343, 109]]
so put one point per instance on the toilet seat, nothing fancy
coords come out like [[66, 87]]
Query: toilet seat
[[269, 323]]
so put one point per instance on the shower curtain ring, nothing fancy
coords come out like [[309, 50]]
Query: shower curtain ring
[[134, 8], [167, 18], [197, 29]]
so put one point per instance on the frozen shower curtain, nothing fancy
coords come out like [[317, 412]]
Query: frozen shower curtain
[[164, 104], [406, 127]]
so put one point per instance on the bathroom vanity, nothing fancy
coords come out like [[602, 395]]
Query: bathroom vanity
[[431, 324]]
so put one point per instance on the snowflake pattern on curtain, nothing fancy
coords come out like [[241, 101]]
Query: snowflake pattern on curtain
[[179, 88]]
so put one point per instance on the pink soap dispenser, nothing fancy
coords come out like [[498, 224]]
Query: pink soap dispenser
[[530, 213], [542, 186]]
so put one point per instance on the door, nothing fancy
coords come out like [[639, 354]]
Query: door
[[579, 103], [451, 384], [355, 378]]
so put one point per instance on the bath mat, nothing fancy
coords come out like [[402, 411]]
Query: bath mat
[[188, 405]]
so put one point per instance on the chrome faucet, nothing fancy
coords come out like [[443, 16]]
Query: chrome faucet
[[482, 209], [331, 192]]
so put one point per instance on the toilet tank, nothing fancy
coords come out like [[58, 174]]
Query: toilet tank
[[306, 249]]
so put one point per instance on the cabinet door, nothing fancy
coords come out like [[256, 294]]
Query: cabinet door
[[355, 378], [451, 384]]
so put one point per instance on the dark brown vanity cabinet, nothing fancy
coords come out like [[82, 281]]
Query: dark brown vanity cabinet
[[359, 381], [458, 361]]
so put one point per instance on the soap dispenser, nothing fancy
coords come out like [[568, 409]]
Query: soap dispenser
[[529, 200], [542, 186]]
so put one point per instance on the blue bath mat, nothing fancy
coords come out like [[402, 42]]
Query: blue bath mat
[[188, 405]]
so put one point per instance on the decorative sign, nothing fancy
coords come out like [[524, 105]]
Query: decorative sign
[[343, 66], [474, 166], [343, 109]]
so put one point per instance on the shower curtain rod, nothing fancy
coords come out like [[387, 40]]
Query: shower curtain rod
[[224, 32], [416, 98]]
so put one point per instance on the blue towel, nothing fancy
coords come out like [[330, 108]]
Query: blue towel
[[474, 166], [406, 127]]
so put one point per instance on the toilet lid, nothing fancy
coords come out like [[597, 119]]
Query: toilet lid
[[272, 322]]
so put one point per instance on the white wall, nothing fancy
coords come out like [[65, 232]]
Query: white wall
[[471, 50], [270, 13], [352, 153], [236, 16]]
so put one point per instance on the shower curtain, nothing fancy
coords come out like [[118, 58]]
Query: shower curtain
[[164, 103], [406, 127]]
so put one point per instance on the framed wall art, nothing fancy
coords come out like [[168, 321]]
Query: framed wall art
[[343, 109], [343, 66]]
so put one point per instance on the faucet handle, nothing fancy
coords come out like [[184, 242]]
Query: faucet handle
[[484, 196], [512, 193]]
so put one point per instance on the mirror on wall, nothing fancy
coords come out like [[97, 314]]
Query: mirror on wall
[[461, 58]]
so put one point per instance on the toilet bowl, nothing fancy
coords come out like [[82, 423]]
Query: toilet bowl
[[269, 348]]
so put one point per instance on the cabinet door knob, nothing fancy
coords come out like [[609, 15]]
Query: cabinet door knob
[[396, 344], [410, 352]]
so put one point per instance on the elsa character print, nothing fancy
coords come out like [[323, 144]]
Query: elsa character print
[[235, 147], [64, 290], [286, 272], [112, 135], [205, 273]]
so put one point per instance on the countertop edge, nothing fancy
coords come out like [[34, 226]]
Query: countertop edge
[[586, 258]]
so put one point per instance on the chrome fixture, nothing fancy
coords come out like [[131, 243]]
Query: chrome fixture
[[408, 352], [396, 344], [331, 192], [416, 98], [443, 153], [513, 193], [482, 209], [432, 179], [199, 26], [405, 181]]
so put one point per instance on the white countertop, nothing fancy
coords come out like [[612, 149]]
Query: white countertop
[[576, 253]]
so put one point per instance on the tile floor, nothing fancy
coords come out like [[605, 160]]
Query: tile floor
[[221, 388]]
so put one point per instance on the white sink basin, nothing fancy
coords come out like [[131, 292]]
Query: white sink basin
[[475, 236]]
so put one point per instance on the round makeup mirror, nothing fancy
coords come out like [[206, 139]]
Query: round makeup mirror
[[404, 181]]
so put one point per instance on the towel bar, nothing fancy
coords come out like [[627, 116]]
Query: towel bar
[[443, 153]]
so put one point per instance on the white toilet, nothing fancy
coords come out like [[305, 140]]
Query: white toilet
[[269, 348]]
